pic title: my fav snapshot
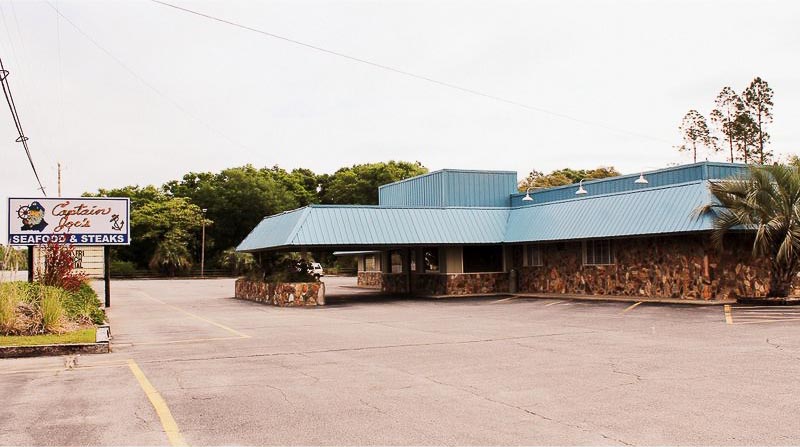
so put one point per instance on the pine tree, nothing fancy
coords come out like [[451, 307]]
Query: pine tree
[[729, 107], [757, 99], [695, 132]]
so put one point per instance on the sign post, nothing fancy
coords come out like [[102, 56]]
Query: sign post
[[107, 273], [86, 223]]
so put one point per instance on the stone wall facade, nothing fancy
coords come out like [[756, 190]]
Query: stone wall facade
[[394, 283], [281, 294], [370, 279], [445, 283], [685, 266]]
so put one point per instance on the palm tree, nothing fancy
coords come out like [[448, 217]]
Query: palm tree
[[171, 257], [767, 201]]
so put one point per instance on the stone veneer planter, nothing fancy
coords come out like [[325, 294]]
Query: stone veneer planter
[[370, 279], [281, 294]]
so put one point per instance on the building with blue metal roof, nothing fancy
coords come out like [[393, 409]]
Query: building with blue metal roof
[[455, 232]]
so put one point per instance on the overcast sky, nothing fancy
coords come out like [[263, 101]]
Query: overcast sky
[[171, 92]]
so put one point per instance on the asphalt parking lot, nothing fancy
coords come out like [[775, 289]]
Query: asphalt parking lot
[[191, 365]]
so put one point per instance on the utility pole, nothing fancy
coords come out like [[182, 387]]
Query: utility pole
[[203, 246]]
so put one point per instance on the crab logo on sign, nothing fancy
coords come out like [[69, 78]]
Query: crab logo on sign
[[32, 217]]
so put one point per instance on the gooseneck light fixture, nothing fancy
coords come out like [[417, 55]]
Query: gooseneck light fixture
[[641, 180], [580, 190], [528, 197]]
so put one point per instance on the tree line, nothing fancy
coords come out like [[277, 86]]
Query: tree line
[[166, 221], [739, 123], [566, 176]]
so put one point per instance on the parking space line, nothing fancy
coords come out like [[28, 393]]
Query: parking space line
[[631, 307], [221, 326], [550, 304], [503, 300], [728, 315], [167, 421], [767, 321]]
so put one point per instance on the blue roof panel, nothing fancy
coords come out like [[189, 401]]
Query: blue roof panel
[[346, 225], [670, 209]]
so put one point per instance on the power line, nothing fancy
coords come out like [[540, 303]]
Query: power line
[[413, 75], [15, 116], [144, 82]]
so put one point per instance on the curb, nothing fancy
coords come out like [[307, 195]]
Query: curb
[[769, 301], [626, 299], [54, 350]]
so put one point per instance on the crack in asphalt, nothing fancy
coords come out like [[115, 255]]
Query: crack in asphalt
[[615, 369], [280, 391], [780, 348], [363, 348], [523, 409]]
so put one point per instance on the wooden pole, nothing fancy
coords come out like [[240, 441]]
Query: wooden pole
[[30, 263]]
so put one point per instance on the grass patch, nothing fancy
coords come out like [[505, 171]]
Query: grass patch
[[81, 336]]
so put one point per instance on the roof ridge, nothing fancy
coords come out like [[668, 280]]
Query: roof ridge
[[300, 221]]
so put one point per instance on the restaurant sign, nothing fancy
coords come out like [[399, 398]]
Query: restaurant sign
[[81, 221]]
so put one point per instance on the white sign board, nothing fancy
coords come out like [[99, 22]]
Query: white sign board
[[78, 221], [87, 260]]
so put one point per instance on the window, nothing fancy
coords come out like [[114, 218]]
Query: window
[[397, 261], [369, 263], [533, 256], [597, 252], [413, 255], [431, 258], [483, 258]]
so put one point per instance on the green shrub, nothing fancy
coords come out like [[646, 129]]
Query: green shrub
[[83, 305], [28, 309], [51, 309], [122, 268]]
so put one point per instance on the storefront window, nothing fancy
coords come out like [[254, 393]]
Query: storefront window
[[369, 263], [397, 261], [483, 258], [431, 255]]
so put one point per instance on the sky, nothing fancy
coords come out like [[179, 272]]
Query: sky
[[135, 92]]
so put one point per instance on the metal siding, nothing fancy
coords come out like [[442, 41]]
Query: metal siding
[[451, 188], [656, 179]]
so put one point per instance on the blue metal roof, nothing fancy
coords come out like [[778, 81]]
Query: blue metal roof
[[451, 187], [614, 207], [368, 226], [668, 209]]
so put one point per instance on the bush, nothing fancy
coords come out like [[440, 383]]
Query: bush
[[83, 306], [59, 266], [122, 268], [28, 309]]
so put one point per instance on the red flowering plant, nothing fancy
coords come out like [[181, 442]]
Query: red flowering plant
[[58, 267]]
